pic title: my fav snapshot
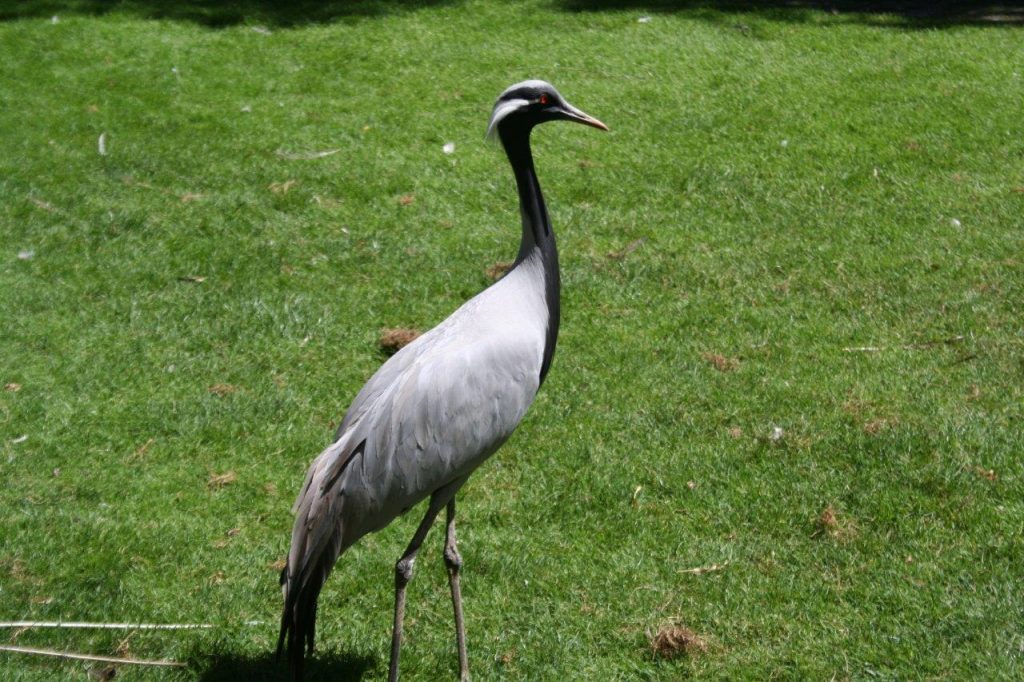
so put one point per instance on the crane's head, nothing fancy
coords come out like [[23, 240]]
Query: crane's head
[[526, 104]]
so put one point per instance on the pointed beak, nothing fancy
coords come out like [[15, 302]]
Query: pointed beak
[[571, 113]]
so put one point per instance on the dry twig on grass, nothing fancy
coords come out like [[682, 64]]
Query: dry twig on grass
[[23, 624], [71, 655], [305, 156], [700, 570]]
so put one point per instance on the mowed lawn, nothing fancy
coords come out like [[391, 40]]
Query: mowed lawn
[[786, 408]]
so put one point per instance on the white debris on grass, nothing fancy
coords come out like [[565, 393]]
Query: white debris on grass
[[305, 156], [101, 144], [448, 148]]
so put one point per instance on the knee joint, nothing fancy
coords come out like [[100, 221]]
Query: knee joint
[[452, 558], [403, 571]]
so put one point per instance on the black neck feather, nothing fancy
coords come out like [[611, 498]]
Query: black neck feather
[[538, 237]]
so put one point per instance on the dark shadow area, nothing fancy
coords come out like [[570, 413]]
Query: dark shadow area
[[285, 13], [332, 667], [216, 14], [916, 13]]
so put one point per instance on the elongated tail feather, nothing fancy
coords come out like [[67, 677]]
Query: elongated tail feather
[[298, 618], [315, 547], [298, 627]]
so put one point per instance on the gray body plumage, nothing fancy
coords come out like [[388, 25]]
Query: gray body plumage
[[428, 417]]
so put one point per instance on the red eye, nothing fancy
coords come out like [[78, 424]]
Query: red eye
[[543, 99]]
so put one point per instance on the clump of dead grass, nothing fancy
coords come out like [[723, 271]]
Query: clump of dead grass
[[675, 639], [222, 390], [832, 524], [498, 270], [720, 362], [873, 427], [218, 481], [627, 249], [393, 340], [987, 474]]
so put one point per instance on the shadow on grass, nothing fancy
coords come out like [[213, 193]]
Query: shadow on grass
[[266, 668], [217, 13], [912, 13], [286, 13]]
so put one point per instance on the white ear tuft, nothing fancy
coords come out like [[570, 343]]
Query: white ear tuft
[[501, 110]]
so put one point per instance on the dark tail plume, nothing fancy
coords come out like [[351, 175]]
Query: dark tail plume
[[298, 621], [315, 546]]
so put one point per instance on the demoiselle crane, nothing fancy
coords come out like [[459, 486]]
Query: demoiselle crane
[[437, 408]]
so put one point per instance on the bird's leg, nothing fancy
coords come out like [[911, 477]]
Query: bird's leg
[[403, 574], [453, 561], [403, 569]]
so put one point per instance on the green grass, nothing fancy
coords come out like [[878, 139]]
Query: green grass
[[803, 183]]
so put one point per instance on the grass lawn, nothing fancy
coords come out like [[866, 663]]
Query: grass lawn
[[792, 345]]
